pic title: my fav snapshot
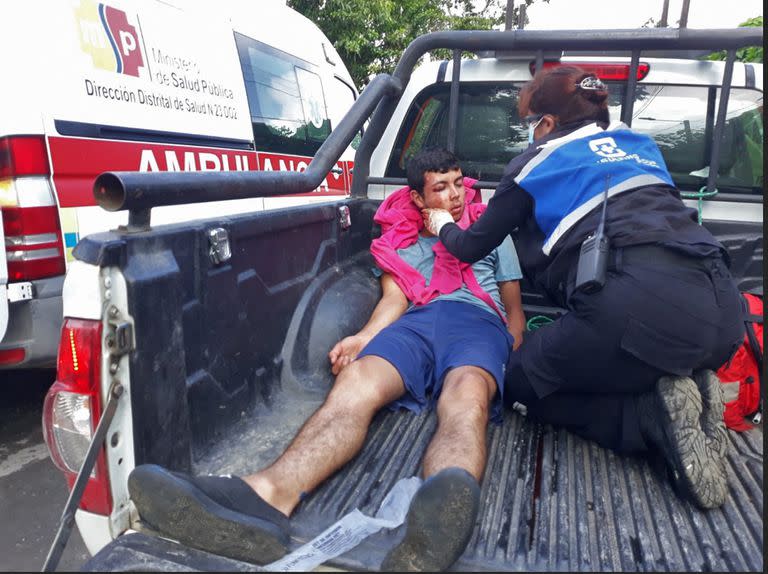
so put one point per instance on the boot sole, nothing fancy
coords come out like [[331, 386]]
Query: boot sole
[[179, 510], [698, 468], [439, 524]]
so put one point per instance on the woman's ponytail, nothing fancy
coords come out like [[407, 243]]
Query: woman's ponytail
[[568, 92]]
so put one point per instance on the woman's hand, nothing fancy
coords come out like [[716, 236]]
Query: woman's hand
[[434, 219]]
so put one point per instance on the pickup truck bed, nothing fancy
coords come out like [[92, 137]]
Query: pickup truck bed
[[550, 501]]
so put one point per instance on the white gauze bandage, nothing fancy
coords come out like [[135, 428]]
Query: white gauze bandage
[[436, 218]]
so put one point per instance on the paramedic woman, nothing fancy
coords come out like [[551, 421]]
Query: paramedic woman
[[630, 365]]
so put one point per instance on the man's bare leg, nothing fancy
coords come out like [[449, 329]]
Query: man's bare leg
[[462, 418], [247, 518], [332, 435], [442, 515]]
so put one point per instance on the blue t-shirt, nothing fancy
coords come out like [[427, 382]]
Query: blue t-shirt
[[500, 265]]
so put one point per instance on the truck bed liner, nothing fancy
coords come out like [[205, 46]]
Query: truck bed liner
[[550, 500]]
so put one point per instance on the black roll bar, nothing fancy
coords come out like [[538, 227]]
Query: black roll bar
[[633, 41], [453, 111], [629, 97], [725, 92], [139, 192]]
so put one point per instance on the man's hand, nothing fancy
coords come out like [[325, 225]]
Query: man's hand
[[391, 306], [434, 219], [513, 303], [517, 333], [346, 351]]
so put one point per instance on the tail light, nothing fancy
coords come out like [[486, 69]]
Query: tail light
[[12, 356], [73, 407], [22, 156], [33, 240], [604, 71]]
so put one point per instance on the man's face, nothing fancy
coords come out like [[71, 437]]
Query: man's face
[[442, 191]]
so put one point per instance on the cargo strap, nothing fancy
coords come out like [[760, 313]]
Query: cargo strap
[[700, 195]]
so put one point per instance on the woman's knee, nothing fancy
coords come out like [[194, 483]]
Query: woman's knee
[[517, 386]]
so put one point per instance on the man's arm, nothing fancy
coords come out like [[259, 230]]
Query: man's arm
[[513, 304], [390, 308]]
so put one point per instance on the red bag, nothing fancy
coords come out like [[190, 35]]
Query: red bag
[[742, 376]]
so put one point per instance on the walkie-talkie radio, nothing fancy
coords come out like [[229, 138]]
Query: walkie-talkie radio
[[593, 256]]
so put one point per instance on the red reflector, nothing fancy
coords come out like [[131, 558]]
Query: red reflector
[[616, 72], [19, 221], [33, 242], [12, 356], [23, 155], [36, 269]]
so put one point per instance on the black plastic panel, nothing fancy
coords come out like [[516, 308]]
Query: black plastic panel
[[744, 242], [137, 552], [210, 337]]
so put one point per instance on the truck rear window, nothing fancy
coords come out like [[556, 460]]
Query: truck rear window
[[680, 118]]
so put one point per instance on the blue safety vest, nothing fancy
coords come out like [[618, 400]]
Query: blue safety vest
[[568, 177]]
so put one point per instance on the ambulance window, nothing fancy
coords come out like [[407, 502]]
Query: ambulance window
[[341, 96], [286, 100]]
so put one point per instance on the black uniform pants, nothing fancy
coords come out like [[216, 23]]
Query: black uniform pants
[[659, 313]]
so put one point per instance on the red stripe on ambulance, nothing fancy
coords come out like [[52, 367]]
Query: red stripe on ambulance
[[335, 183], [76, 162]]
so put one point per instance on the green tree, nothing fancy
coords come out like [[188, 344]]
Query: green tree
[[748, 54], [370, 35]]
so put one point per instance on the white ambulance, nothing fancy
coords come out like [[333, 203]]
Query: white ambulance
[[147, 85]]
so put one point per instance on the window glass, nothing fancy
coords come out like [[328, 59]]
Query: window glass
[[488, 131], [341, 96], [286, 100], [313, 104], [680, 119]]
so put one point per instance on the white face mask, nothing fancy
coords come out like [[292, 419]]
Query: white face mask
[[532, 128]]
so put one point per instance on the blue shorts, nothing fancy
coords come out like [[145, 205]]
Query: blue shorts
[[428, 341]]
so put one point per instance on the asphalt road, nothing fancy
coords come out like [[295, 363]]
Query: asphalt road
[[32, 490]]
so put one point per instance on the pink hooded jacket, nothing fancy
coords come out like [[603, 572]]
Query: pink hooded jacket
[[401, 222]]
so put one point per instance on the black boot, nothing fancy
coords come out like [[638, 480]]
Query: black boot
[[674, 420], [439, 524], [712, 421], [220, 514]]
